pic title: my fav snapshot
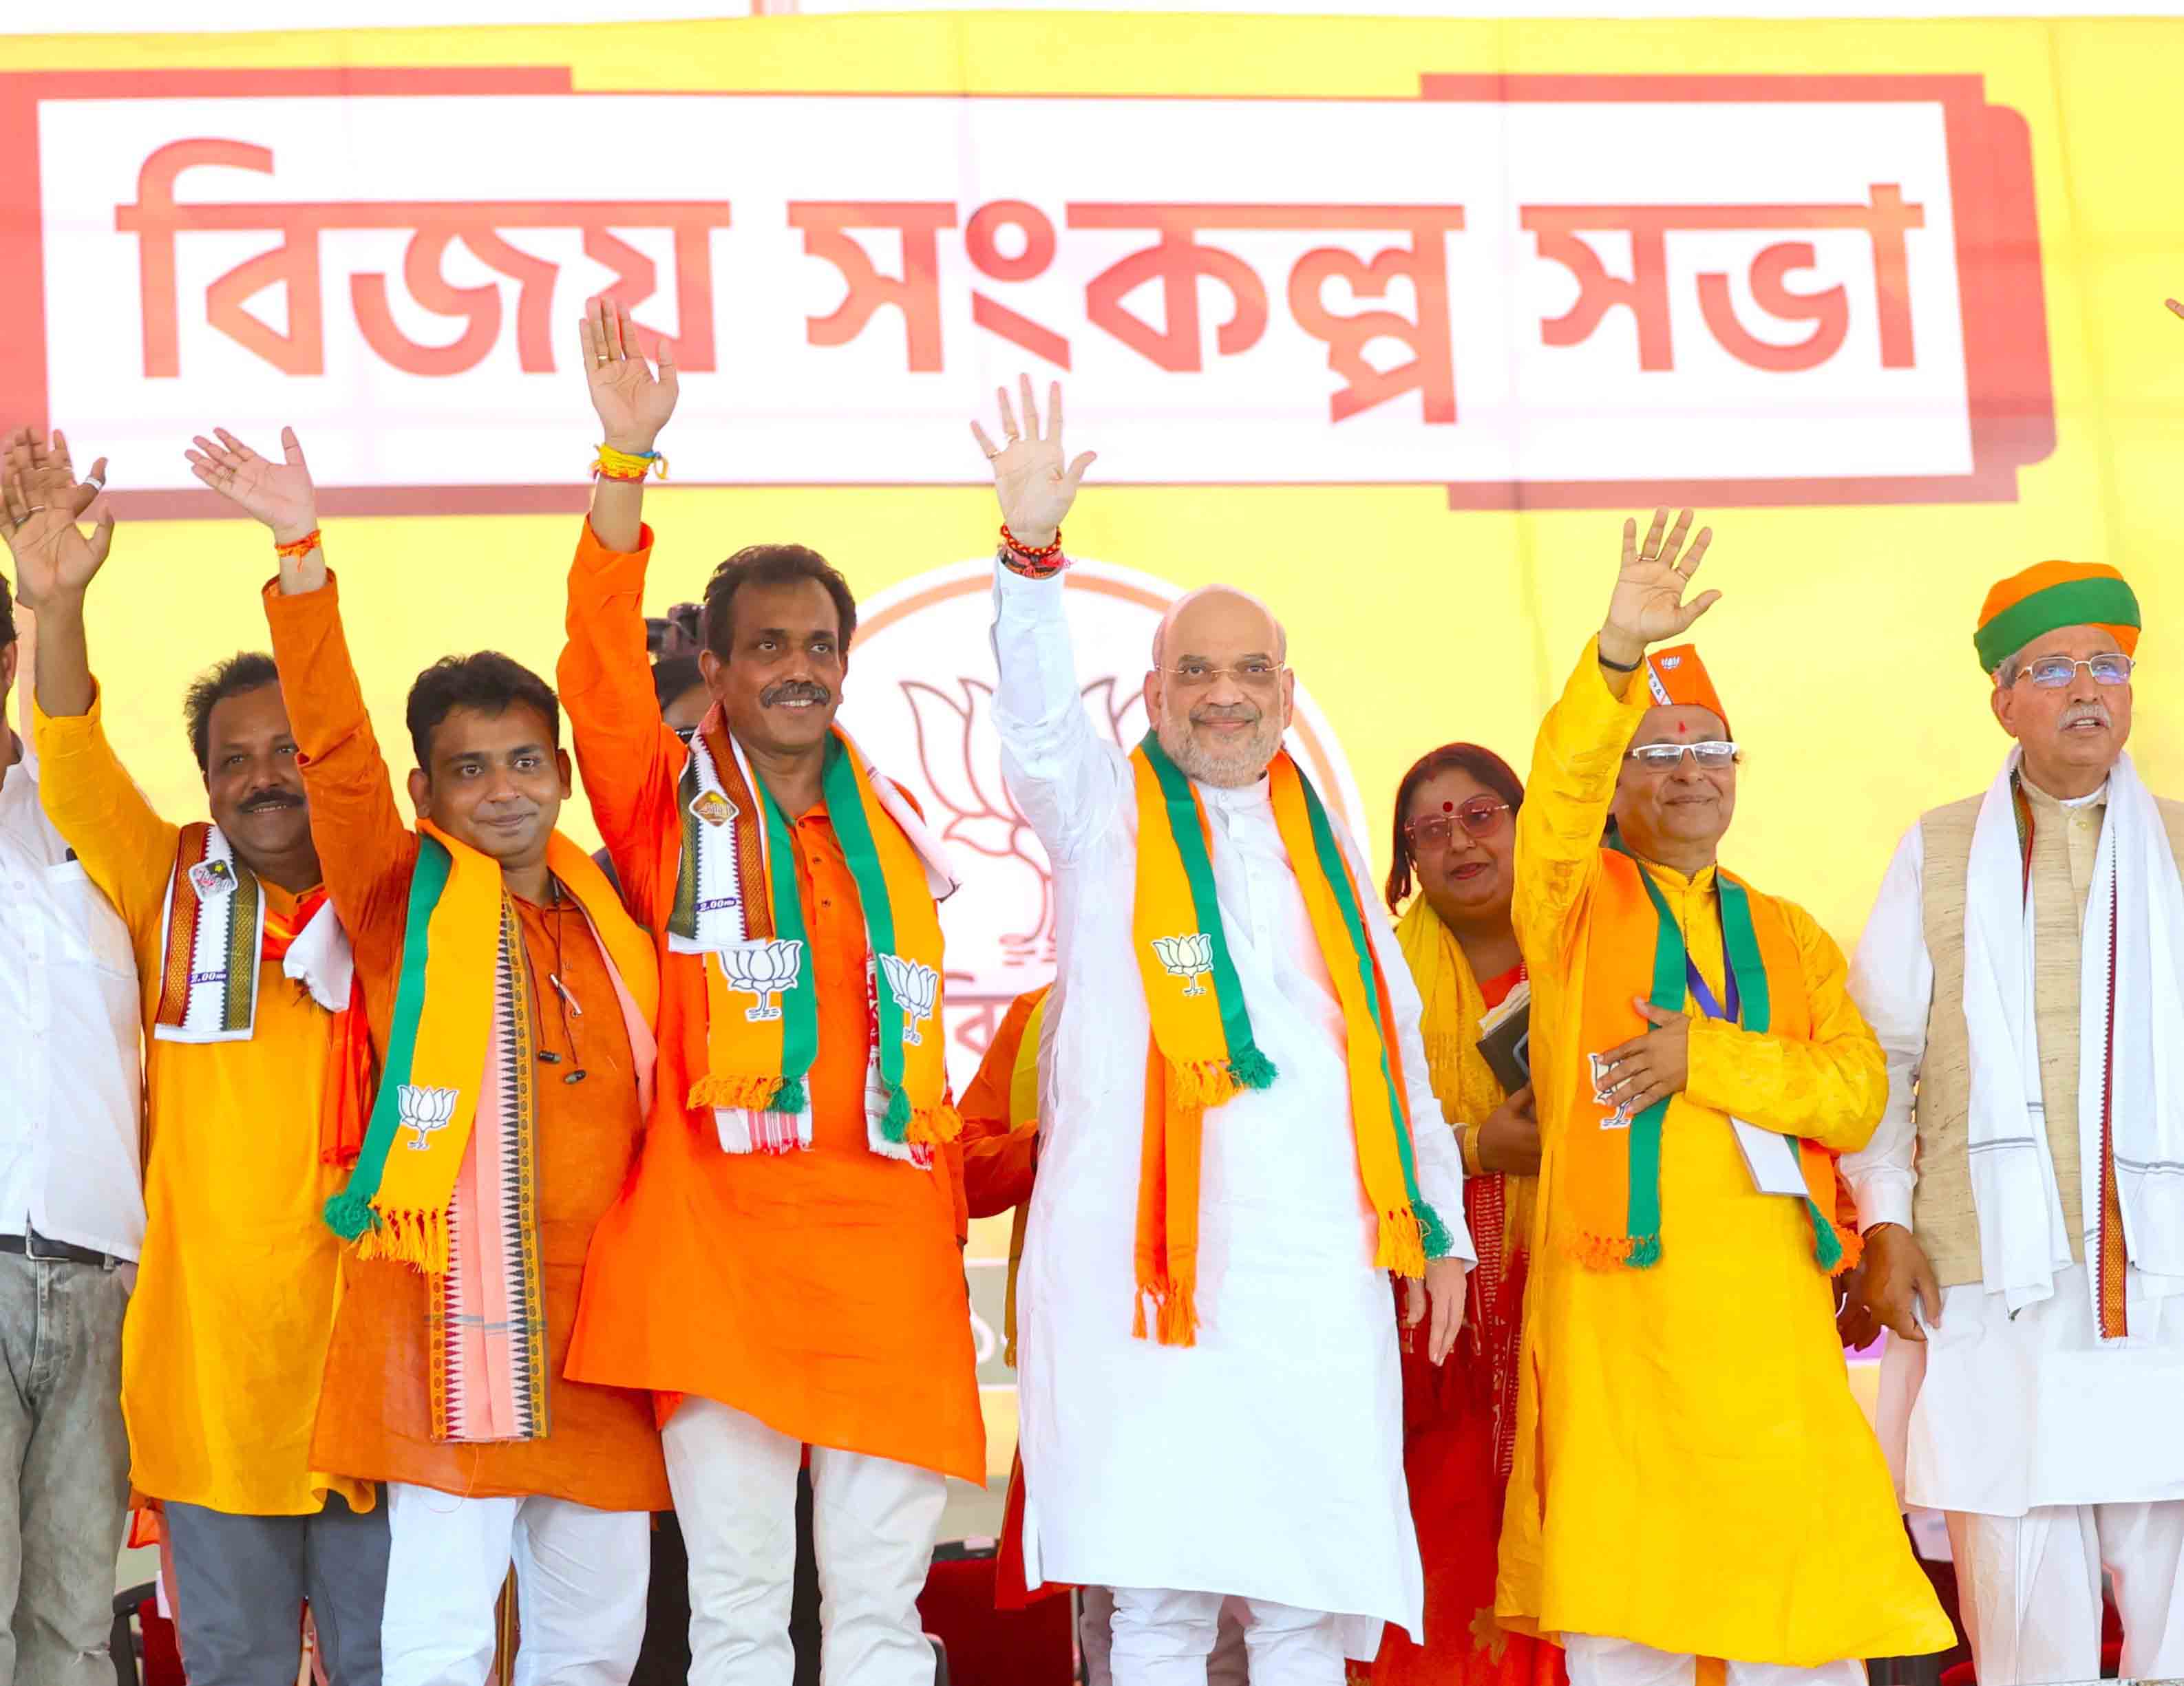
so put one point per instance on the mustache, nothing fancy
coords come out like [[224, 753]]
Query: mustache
[[1213, 711], [270, 801], [2095, 709], [794, 691]]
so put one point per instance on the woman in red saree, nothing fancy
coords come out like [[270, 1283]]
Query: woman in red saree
[[1454, 849]]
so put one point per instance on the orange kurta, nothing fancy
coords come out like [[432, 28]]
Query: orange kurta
[[602, 1449], [820, 1292], [997, 1157]]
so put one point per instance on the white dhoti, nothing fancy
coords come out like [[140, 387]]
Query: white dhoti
[[2054, 1456]]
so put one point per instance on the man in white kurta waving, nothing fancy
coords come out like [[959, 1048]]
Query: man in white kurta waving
[[1240, 1143]]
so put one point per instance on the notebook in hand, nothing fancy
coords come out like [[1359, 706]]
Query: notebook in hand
[[1505, 1039]]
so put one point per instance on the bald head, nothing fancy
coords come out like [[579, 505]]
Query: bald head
[[1219, 615], [1219, 693]]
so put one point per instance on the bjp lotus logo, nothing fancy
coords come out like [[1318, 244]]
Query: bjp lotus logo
[[1189, 957], [917, 987], [959, 752], [764, 970], [425, 1110]]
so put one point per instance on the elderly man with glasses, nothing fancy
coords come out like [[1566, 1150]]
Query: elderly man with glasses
[[2023, 1200], [1693, 1479]]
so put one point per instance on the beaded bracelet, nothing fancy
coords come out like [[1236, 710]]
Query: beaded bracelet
[[612, 465], [1032, 553], [302, 548]]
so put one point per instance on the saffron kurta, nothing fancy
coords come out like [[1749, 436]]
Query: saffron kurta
[[228, 1325], [1266, 1461], [1692, 1472], [602, 1449], [820, 1292]]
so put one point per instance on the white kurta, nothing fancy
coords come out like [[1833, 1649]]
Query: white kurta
[[1265, 1462], [1996, 1415]]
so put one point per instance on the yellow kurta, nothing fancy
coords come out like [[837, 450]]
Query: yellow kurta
[[226, 1335], [1692, 1472]]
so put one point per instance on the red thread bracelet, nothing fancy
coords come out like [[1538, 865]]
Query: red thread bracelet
[[1032, 553]]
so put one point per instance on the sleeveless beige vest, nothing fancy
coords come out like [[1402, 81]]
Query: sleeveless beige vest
[[1942, 1214]]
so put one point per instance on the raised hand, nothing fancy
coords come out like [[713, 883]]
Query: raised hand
[[1648, 604], [1034, 487], [632, 403], [280, 494], [42, 499], [2176, 307]]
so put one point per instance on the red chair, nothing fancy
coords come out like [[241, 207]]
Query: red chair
[[1035, 1646]]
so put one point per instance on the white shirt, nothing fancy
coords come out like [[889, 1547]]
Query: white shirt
[[71, 1097], [1265, 1462], [1998, 1414]]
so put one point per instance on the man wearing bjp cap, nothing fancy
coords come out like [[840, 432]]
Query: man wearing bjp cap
[[1694, 1481], [2023, 1200]]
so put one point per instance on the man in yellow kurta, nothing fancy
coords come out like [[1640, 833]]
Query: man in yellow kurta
[[1693, 1477], [251, 1070]]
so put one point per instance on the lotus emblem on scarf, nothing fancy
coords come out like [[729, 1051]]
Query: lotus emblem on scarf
[[425, 1110], [1189, 957], [917, 987], [764, 970]]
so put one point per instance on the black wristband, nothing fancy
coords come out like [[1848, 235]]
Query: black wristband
[[1618, 666]]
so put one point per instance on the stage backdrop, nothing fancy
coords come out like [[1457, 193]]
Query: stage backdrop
[[1390, 322]]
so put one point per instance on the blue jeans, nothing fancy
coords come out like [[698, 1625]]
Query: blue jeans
[[64, 1468]]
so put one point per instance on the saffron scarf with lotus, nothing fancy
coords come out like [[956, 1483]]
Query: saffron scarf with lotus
[[1201, 1053], [448, 1179], [740, 905], [1611, 1165]]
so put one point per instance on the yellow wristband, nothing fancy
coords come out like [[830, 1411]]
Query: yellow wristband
[[1466, 1136], [615, 465]]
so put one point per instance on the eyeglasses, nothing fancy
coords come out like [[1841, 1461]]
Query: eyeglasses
[[2053, 672], [1257, 675], [1479, 817], [1713, 755]]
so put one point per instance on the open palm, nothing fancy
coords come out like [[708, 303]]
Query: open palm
[[42, 498], [280, 494], [1648, 604], [632, 403], [1036, 484]]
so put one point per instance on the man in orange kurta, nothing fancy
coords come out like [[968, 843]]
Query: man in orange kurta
[[570, 1506], [813, 1296]]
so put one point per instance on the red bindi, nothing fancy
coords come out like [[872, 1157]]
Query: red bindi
[[1681, 728], [1448, 807]]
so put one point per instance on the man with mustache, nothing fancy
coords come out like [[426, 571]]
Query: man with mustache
[[254, 1069], [2023, 1200], [1693, 1478], [785, 1267], [1238, 1145], [510, 1001]]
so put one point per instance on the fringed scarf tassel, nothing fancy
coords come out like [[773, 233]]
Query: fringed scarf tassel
[[1835, 1249], [417, 1239], [1174, 1322], [748, 1093], [1606, 1252]]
